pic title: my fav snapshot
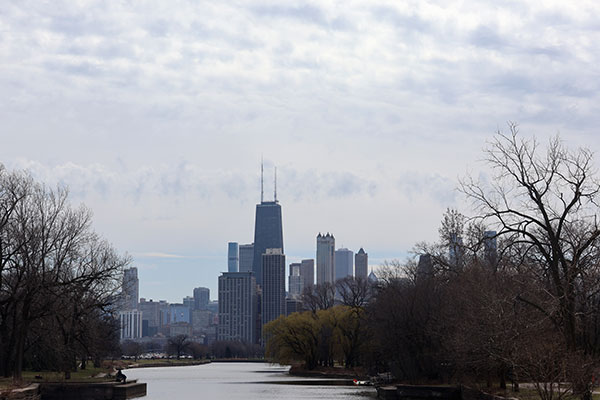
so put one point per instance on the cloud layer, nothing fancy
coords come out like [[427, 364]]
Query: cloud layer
[[156, 114]]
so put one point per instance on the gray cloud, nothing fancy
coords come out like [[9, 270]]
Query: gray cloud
[[159, 108]]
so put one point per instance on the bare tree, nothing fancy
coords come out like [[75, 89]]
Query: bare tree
[[52, 266], [178, 345], [544, 202], [354, 292], [318, 297]]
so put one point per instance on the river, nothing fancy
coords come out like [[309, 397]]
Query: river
[[239, 381]]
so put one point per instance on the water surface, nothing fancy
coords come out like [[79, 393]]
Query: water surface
[[239, 381]]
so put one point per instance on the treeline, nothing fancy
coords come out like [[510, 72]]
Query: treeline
[[519, 302], [58, 280], [183, 345]]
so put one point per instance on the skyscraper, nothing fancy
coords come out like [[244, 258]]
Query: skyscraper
[[456, 251], [295, 282], [246, 257], [344, 263], [273, 288], [131, 324], [189, 302], [201, 298], [361, 264], [237, 307], [490, 248], [425, 266], [233, 257], [325, 258], [268, 234], [307, 271], [131, 289]]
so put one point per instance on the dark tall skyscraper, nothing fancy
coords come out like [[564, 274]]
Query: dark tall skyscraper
[[268, 231], [273, 290], [361, 264]]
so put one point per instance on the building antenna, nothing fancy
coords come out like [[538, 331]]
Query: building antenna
[[275, 186], [262, 192]]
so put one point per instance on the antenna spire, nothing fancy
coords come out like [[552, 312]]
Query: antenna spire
[[275, 186], [262, 192]]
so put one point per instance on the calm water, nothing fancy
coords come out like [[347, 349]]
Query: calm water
[[238, 381]]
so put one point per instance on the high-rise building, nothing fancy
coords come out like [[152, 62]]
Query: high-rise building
[[295, 283], [293, 305], [307, 271], [151, 313], [325, 258], [273, 288], [246, 257], [237, 307], [456, 250], [344, 263], [189, 302], [179, 313], [268, 234], [372, 278], [131, 324], [233, 257], [201, 321], [201, 298], [361, 264], [490, 248], [425, 266], [131, 289]]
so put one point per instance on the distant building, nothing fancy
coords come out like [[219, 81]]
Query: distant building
[[425, 266], [213, 307], [293, 305], [307, 271], [179, 313], [373, 278], [268, 234], [189, 302], [201, 321], [237, 307], [131, 324], [150, 316], [456, 251], [325, 258], [131, 289], [361, 264], [201, 298], [490, 248], [295, 281], [273, 288], [344, 263], [233, 257], [180, 328], [246, 257], [163, 307]]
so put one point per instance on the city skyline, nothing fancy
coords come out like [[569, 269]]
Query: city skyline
[[156, 117]]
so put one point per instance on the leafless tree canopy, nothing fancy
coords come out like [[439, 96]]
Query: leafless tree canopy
[[544, 201], [55, 272]]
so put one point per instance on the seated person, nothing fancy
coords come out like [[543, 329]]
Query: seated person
[[120, 376]]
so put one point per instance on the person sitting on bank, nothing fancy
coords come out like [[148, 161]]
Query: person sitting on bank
[[120, 376]]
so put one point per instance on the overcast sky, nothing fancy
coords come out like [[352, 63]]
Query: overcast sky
[[156, 115]]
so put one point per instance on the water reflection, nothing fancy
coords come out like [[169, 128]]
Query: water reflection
[[240, 381]]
